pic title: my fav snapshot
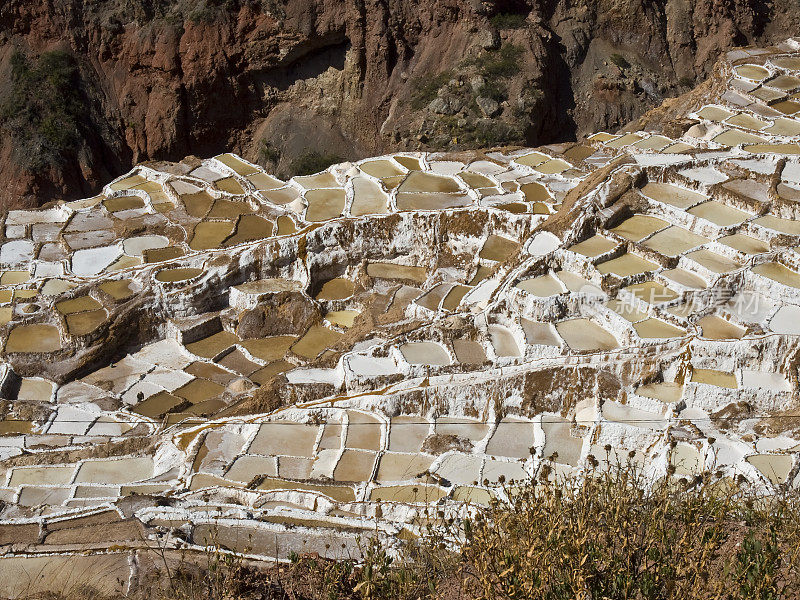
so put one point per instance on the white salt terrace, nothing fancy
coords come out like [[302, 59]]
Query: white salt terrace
[[408, 329]]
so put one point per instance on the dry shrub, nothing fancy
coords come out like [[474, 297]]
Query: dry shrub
[[611, 536]]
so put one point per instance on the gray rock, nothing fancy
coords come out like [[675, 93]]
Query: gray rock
[[488, 106], [438, 105], [445, 105], [477, 82], [456, 104], [488, 39]]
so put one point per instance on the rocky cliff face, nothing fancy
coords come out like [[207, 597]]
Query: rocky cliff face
[[293, 83]]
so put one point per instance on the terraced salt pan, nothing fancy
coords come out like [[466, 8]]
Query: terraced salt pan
[[454, 297], [687, 460], [503, 341], [461, 469], [714, 377], [716, 328], [425, 353], [498, 248], [469, 352], [33, 338], [285, 437], [673, 195], [734, 137], [674, 241], [368, 198], [35, 389], [784, 127], [381, 168], [651, 292], [716, 263], [342, 318], [122, 470], [539, 333], [583, 335], [264, 182], [542, 286], [532, 159], [464, 334], [594, 246], [355, 465], [396, 466], [787, 226], [84, 323], [747, 122], [394, 271], [626, 265], [408, 494], [93, 260], [336, 289], [470, 429], [433, 297], [624, 140], [668, 392], [744, 243], [178, 274], [317, 339], [535, 192], [249, 228], [719, 214], [246, 468], [775, 467], [627, 310], [16, 252], [778, 272], [512, 438], [431, 201], [560, 445], [753, 72], [324, 204], [407, 433], [638, 227], [656, 328], [714, 113], [213, 345], [685, 279]]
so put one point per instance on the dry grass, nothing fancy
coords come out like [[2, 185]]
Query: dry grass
[[609, 537], [613, 537]]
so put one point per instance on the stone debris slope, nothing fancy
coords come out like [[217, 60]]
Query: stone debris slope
[[207, 352]]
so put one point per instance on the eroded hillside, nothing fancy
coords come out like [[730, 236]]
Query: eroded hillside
[[90, 88]]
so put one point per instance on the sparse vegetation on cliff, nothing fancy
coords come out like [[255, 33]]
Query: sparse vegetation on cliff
[[469, 107], [311, 162], [424, 89], [43, 110], [508, 20]]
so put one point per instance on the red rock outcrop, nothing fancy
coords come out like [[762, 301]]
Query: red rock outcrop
[[276, 79]]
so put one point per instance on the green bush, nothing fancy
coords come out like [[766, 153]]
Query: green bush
[[424, 89], [311, 162], [620, 61], [508, 21], [43, 109], [268, 153], [503, 62]]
